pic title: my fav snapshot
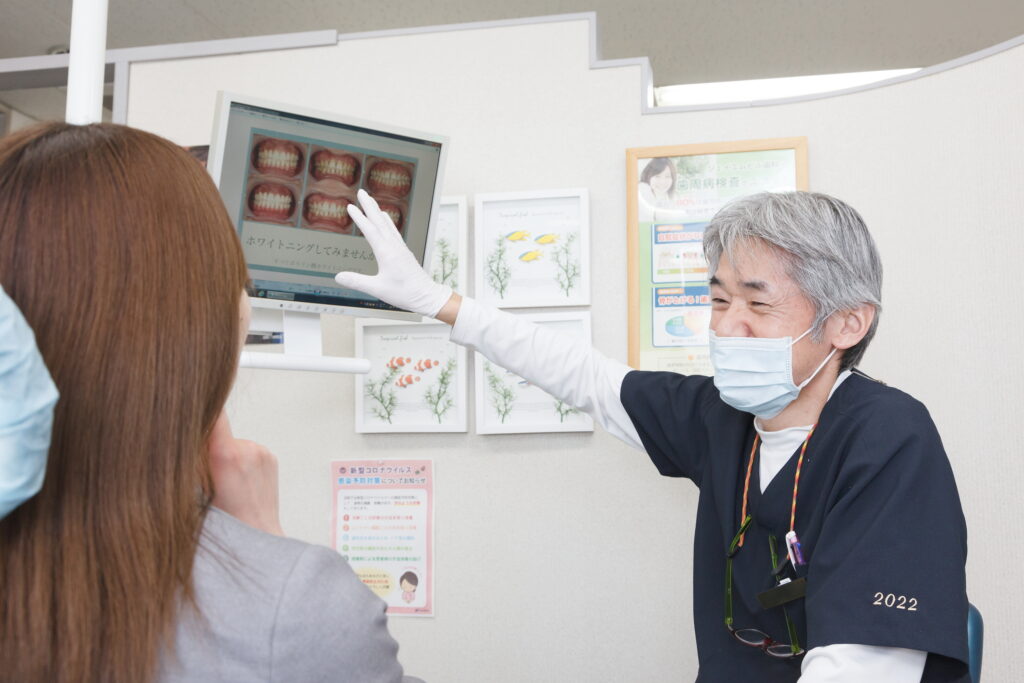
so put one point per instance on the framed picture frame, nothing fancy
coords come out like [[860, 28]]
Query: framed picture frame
[[672, 192], [449, 259], [417, 380], [532, 249], [508, 404]]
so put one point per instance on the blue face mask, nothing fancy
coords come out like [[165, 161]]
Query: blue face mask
[[755, 374], [27, 397]]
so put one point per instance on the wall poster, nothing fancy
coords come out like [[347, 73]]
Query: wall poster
[[671, 195], [382, 522]]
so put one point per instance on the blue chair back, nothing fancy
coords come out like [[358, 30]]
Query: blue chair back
[[975, 641]]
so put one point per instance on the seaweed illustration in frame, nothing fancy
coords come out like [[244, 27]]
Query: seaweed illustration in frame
[[447, 255], [417, 381], [532, 248], [509, 404]]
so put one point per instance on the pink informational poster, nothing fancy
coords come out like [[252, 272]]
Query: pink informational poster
[[383, 523]]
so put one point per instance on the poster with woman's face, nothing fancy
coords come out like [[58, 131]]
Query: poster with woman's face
[[676, 195]]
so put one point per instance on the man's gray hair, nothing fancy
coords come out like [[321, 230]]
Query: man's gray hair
[[826, 248]]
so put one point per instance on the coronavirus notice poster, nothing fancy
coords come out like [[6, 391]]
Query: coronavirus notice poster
[[383, 524], [672, 194]]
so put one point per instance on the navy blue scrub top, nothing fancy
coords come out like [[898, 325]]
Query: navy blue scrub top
[[878, 517]]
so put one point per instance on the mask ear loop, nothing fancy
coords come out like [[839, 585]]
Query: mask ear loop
[[792, 343], [814, 374]]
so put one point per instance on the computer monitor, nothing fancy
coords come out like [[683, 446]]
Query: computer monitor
[[287, 173]]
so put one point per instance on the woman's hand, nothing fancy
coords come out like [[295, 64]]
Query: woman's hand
[[244, 478], [400, 281]]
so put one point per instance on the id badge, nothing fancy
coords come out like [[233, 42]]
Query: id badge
[[783, 593]]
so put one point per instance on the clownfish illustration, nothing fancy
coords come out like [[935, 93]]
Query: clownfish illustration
[[425, 365], [403, 382], [397, 362], [549, 238], [517, 236], [528, 256]]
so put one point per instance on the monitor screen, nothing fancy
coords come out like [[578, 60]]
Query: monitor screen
[[286, 176]]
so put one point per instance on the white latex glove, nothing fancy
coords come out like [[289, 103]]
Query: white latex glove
[[400, 281]]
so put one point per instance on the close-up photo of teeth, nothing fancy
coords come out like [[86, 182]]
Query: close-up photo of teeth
[[271, 202], [396, 211], [326, 212], [387, 177], [277, 157], [333, 164]]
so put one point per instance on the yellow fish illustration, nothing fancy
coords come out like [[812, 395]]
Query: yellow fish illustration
[[549, 238], [528, 256], [517, 236]]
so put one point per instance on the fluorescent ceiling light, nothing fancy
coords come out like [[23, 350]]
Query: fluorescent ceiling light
[[768, 88]]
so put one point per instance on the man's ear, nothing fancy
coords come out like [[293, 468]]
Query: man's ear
[[849, 327]]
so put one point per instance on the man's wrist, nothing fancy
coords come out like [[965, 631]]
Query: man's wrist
[[450, 311]]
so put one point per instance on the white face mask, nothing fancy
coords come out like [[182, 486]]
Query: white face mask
[[755, 374]]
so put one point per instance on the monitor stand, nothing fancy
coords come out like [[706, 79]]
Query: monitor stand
[[303, 345], [302, 333]]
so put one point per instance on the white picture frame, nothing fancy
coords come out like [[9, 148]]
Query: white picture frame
[[532, 249], [451, 242], [406, 390], [508, 404]]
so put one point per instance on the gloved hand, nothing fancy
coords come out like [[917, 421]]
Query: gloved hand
[[27, 397], [400, 281]]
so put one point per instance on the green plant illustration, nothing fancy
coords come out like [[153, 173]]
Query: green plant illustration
[[568, 267], [445, 271], [498, 271], [438, 397], [383, 394], [564, 410], [503, 396]]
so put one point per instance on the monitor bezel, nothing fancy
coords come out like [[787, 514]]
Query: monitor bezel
[[226, 99]]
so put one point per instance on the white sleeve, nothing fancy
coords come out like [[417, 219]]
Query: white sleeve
[[560, 365], [859, 663]]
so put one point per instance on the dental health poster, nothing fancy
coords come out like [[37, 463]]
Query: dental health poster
[[672, 194], [382, 523]]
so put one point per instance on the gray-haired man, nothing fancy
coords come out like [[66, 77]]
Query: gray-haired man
[[840, 556]]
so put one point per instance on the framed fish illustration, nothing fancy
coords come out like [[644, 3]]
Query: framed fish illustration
[[508, 404], [417, 380], [533, 248]]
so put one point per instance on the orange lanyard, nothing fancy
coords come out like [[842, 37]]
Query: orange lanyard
[[796, 479]]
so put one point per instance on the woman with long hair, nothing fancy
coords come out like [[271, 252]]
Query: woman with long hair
[[125, 567]]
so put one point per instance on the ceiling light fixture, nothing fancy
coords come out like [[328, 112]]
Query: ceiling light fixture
[[729, 92]]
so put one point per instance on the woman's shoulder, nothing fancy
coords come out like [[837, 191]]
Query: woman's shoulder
[[268, 570], [261, 601], [225, 539]]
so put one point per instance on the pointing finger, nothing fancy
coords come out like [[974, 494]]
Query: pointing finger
[[372, 210], [371, 230]]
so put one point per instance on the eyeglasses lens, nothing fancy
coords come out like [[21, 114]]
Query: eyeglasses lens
[[751, 636], [779, 650]]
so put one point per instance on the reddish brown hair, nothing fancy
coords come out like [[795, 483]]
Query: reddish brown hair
[[115, 245]]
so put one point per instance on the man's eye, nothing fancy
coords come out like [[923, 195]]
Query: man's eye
[[718, 300], [757, 303]]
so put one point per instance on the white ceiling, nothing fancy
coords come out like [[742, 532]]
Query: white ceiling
[[688, 41]]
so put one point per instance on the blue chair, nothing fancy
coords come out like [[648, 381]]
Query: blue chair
[[975, 641]]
